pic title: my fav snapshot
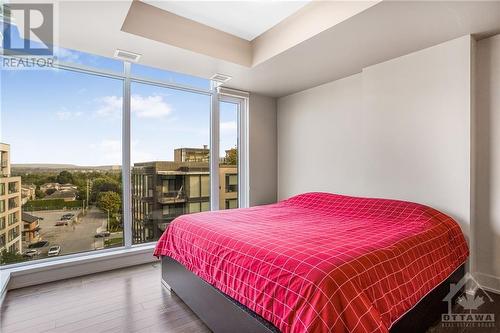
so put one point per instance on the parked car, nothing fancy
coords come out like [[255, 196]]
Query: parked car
[[102, 234], [31, 253], [67, 216], [60, 223], [54, 251]]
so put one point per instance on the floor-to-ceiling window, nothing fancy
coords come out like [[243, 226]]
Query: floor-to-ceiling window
[[98, 154], [170, 175], [62, 134]]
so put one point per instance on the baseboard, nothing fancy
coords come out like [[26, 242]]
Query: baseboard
[[64, 269], [488, 282]]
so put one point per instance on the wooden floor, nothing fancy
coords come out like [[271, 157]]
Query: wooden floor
[[126, 300]]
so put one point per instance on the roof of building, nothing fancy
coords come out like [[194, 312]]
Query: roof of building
[[62, 194], [29, 218]]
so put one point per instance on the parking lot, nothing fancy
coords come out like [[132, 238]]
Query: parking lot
[[77, 236]]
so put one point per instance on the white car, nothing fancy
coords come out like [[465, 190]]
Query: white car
[[54, 251]]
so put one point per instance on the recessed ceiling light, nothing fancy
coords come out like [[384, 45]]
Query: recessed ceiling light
[[220, 78], [127, 56]]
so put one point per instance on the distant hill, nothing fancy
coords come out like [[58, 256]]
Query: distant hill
[[56, 167]]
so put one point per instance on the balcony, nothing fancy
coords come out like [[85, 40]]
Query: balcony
[[171, 197]]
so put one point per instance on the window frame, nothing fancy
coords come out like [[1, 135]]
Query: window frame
[[217, 95]]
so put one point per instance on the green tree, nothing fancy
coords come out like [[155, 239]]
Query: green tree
[[65, 177], [231, 156], [109, 201], [104, 184], [7, 257], [39, 194], [82, 192]]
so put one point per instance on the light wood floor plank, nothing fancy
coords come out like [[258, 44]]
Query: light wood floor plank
[[129, 300]]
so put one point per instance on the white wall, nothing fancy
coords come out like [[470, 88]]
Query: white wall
[[487, 141], [262, 150], [320, 144], [400, 129]]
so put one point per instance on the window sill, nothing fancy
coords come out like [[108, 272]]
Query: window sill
[[65, 268]]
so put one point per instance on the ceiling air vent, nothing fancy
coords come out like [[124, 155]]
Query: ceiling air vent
[[220, 78], [127, 56]]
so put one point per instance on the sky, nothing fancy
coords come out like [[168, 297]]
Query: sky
[[62, 117]]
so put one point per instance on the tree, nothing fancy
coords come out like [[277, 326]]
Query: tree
[[109, 201], [104, 184], [82, 192], [39, 194], [65, 177], [7, 257], [231, 156]]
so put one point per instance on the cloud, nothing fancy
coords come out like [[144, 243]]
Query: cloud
[[150, 106], [66, 55], [142, 106], [110, 106]]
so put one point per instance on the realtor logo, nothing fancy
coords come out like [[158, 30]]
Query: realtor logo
[[28, 29], [468, 312]]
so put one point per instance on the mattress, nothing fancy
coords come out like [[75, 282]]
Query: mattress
[[321, 262]]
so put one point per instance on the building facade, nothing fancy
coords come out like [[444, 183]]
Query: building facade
[[11, 225], [162, 191], [31, 228]]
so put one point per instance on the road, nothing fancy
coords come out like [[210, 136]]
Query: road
[[75, 237]]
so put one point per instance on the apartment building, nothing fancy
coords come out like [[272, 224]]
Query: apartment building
[[10, 205], [163, 190]]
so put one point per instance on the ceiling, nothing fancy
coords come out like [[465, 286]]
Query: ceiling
[[384, 31], [245, 19]]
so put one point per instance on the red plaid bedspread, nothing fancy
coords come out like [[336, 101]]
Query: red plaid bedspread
[[321, 262]]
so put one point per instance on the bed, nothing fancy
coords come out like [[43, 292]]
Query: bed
[[317, 262]]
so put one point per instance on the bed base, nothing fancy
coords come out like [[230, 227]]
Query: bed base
[[223, 314]]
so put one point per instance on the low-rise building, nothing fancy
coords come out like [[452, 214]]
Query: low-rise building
[[31, 228], [10, 205], [28, 192], [49, 186], [66, 195]]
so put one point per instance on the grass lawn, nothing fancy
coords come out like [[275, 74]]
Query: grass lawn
[[113, 242]]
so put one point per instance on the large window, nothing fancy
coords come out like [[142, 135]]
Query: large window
[[170, 176], [100, 158], [62, 130]]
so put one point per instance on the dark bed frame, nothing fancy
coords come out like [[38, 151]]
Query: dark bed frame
[[223, 314]]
